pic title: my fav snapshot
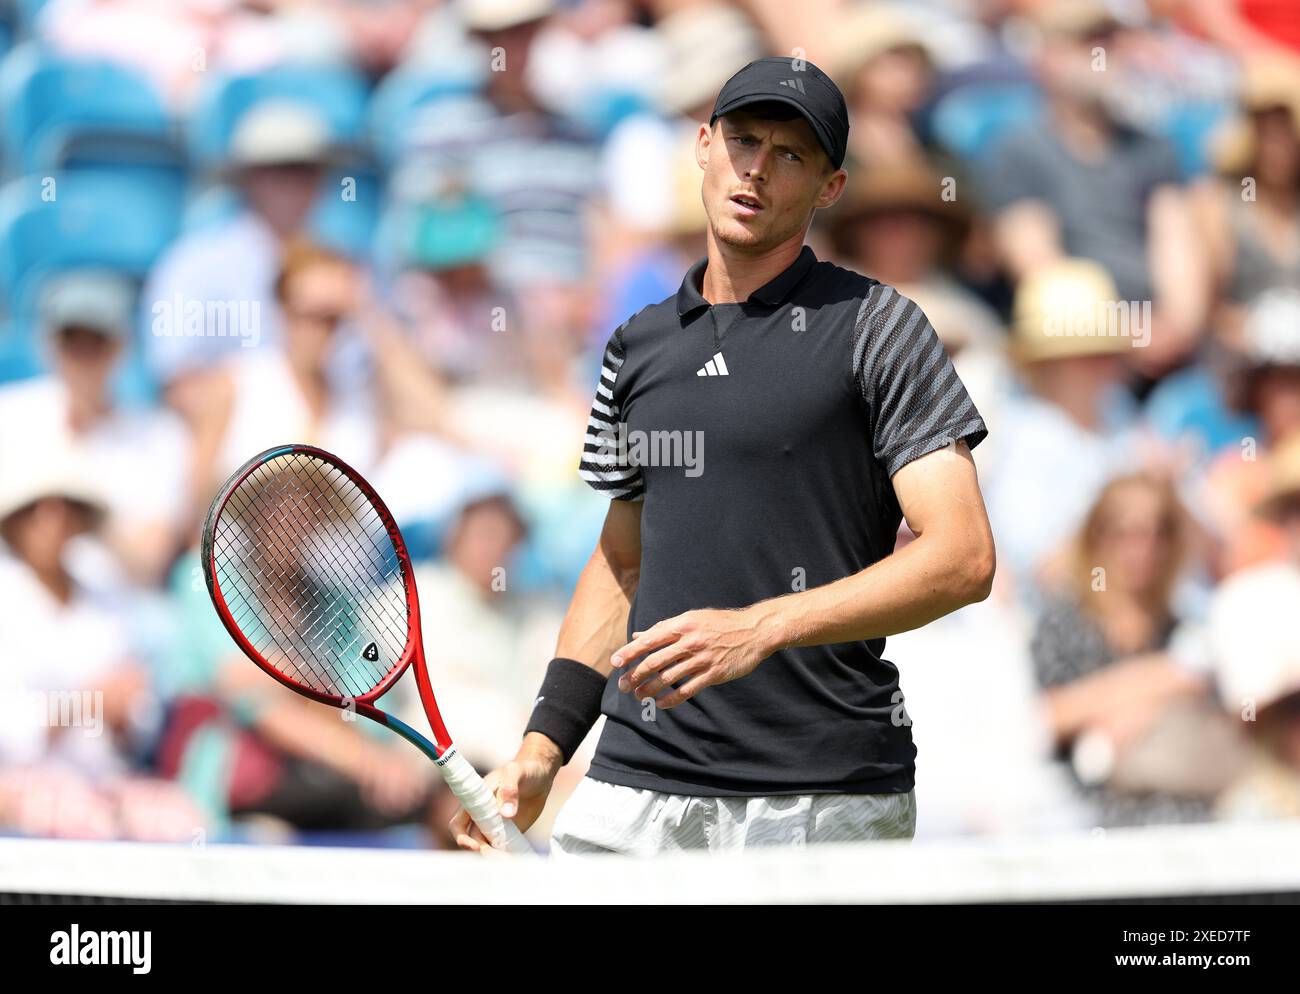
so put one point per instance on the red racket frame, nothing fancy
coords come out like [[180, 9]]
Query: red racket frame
[[413, 652]]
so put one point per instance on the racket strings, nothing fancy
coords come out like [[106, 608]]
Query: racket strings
[[322, 619], [264, 594], [279, 588], [311, 576], [323, 611], [381, 546]]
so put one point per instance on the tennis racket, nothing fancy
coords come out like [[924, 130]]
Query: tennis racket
[[309, 574]]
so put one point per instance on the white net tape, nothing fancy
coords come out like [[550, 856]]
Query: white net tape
[[1198, 862]]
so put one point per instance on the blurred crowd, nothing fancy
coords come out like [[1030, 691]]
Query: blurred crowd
[[403, 229]]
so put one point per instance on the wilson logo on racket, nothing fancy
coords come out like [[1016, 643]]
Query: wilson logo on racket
[[303, 563]]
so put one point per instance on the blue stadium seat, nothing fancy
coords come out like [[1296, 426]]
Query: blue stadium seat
[[969, 120], [79, 218], [338, 93], [110, 219], [64, 112]]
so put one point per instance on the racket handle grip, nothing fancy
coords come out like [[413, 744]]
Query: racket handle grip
[[474, 795]]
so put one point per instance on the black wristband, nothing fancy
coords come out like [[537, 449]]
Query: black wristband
[[568, 704]]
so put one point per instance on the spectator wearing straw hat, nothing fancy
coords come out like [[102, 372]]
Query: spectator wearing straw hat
[[1256, 646], [495, 630], [880, 57], [896, 224], [1072, 422], [87, 317]]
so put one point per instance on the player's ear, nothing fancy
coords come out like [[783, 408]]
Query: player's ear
[[832, 188], [703, 142]]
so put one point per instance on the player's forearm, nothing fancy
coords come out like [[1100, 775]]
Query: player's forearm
[[930, 577], [596, 622], [593, 627], [569, 701]]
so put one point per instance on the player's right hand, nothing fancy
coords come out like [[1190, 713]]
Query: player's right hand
[[521, 788]]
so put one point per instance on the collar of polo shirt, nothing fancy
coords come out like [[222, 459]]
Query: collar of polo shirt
[[772, 293]]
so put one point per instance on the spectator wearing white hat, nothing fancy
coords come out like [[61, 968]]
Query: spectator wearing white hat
[[77, 699], [1072, 423], [139, 458], [211, 295]]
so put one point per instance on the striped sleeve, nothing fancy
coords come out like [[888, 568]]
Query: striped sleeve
[[915, 400], [603, 466]]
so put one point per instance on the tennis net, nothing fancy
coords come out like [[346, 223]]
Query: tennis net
[[1209, 863]]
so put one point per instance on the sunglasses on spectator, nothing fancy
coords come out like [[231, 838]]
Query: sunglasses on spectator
[[327, 319]]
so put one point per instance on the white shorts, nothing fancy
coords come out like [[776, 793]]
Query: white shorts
[[603, 817]]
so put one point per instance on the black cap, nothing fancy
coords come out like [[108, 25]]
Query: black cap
[[801, 85]]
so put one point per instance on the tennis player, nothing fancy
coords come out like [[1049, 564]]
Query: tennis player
[[760, 435]]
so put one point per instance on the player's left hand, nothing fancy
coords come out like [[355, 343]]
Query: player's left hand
[[701, 648]]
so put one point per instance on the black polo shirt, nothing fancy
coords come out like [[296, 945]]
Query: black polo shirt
[[762, 437]]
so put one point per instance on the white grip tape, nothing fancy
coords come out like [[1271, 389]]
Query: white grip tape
[[473, 793]]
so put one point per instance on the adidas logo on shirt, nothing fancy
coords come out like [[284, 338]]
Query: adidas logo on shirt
[[714, 367], [794, 84]]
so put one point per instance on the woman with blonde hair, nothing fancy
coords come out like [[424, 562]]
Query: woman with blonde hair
[[1126, 713]]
